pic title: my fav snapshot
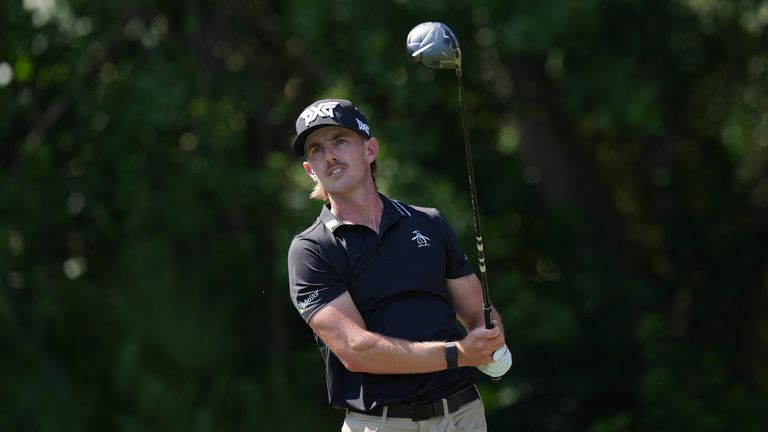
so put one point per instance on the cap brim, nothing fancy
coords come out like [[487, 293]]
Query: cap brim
[[300, 140]]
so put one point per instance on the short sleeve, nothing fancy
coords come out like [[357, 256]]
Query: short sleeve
[[457, 263], [313, 278]]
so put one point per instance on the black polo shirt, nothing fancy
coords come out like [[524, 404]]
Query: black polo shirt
[[397, 280]]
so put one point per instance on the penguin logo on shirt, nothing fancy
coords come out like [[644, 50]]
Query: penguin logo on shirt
[[421, 239]]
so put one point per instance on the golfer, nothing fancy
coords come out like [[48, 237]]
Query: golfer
[[382, 283]]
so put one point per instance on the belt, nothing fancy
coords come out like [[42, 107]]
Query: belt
[[426, 410]]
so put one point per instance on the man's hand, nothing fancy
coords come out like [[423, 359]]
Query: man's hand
[[478, 346], [501, 364]]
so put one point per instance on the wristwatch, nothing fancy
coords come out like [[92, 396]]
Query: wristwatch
[[451, 355]]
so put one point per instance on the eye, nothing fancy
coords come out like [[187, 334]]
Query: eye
[[315, 150], [341, 141]]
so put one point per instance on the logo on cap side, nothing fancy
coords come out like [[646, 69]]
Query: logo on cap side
[[363, 127], [323, 110]]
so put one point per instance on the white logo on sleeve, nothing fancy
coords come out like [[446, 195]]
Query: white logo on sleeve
[[421, 239], [306, 302], [323, 110]]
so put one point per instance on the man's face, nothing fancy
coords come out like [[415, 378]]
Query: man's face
[[339, 158]]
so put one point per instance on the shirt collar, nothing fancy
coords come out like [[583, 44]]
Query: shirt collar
[[393, 211]]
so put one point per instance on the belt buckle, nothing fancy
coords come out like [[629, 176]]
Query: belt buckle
[[426, 410]]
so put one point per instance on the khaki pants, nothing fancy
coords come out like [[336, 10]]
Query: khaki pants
[[469, 418]]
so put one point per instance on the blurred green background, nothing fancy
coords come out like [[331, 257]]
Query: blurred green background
[[148, 197]]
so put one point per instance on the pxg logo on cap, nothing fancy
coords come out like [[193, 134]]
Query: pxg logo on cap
[[328, 112]]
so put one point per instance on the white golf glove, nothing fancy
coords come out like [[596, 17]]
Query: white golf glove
[[502, 361]]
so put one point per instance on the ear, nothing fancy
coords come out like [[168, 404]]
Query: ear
[[309, 170], [371, 149]]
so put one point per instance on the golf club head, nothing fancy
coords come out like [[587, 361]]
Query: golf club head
[[434, 45]]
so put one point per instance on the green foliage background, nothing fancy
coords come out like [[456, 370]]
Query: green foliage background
[[148, 197]]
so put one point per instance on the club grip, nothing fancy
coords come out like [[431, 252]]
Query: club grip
[[488, 315]]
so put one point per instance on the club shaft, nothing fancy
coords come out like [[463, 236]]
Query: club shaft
[[487, 308]]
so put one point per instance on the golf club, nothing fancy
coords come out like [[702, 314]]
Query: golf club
[[434, 45]]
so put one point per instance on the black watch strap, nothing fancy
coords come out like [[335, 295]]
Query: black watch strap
[[451, 355]]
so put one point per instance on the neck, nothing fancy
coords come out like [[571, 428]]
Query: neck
[[364, 207]]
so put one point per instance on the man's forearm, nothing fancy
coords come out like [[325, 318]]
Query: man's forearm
[[341, 327], [374, 353], [379, 354]]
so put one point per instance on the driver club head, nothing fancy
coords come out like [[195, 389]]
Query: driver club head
[[434, 45]]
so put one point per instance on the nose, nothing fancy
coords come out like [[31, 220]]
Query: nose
[[330, 154]]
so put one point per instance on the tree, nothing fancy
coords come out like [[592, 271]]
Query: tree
[[149, 197]]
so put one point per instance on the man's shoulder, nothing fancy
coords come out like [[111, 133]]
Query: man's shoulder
[[317, 239], [316, 233], [313, 230]]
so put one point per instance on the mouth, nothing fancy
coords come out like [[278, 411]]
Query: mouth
[[334, 170]]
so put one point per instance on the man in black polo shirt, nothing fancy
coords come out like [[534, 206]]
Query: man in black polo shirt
[[381, 284]]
